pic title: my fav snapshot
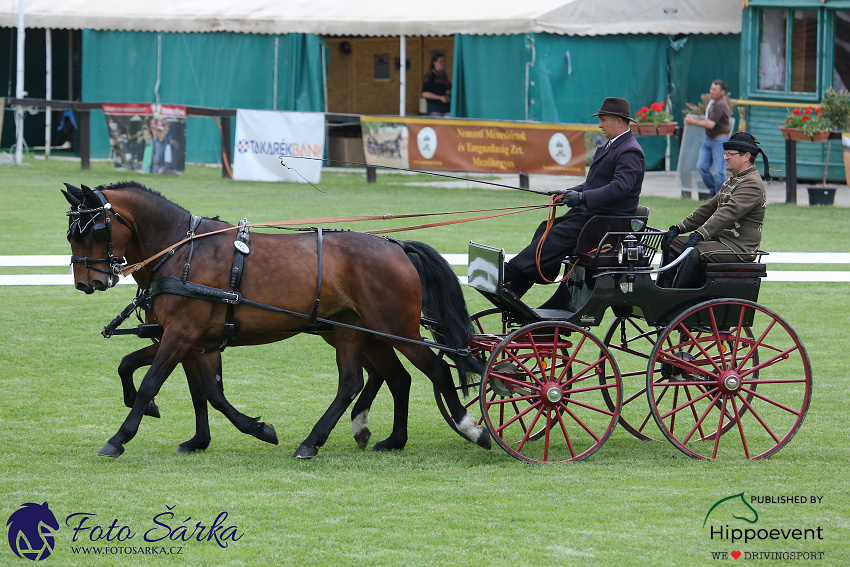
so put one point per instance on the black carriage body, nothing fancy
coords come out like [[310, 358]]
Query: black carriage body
[[698, 362], [602, 280]]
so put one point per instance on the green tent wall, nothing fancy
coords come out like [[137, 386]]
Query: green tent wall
[[568, 76], [220, 70]]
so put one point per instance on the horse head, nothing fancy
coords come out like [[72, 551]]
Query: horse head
[[31, 530], [97, 244]]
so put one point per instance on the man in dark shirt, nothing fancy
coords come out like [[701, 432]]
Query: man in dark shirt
[[612, 187], [717, 130]]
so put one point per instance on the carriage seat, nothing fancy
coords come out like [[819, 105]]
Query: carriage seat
[[737, 270], [591, 252]]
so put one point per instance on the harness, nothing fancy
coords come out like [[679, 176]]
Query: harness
[[232, 296]]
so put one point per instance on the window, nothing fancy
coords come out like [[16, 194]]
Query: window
[[841, 72], [788, 56], [381, 67]]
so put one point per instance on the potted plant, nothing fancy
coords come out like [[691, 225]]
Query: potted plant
[[836, 108], [807, 125], [653, 119]]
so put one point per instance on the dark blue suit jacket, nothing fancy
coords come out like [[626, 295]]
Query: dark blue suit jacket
[[615, 178]]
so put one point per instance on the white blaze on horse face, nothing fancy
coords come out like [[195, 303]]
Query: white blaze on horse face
[[468, 427], [360, 422]]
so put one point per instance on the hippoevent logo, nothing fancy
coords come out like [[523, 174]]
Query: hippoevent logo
[[736, 521], [33, 531]]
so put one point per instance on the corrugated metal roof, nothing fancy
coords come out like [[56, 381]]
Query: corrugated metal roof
[[384, 17]]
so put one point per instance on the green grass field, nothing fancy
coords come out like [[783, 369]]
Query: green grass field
[[440, 501]]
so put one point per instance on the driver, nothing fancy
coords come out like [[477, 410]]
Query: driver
[[728, 224]]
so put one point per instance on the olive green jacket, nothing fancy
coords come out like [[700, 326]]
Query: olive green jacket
[[735, 215]]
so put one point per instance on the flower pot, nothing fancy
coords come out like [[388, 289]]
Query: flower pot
[[821, 195], [666, 128], [648, 129], [794, 134], [800, 135]]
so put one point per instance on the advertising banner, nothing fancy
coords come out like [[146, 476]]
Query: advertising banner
[[272, 145], [147, 138], [474, 145]]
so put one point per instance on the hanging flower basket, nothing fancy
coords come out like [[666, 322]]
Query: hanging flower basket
[[653, 120], [799, 135], [667, 128]]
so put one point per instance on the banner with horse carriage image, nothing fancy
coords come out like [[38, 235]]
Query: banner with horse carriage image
[[474, 145], [147, 138]]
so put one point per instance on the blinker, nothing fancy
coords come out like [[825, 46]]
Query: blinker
[[99, 232]]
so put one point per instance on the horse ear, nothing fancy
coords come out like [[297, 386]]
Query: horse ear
[[88, 195], [76, 192], [70, 198]]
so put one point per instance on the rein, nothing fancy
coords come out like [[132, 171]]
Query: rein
[[127, 270]]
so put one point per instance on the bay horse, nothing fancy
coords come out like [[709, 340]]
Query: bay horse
[[372, 290]]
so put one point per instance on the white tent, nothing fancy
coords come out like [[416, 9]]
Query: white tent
[[384, 17]]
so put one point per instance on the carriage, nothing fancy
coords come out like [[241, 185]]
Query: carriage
[[719, 375], [708, 368]]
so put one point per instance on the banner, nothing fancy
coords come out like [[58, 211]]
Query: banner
[[269, 145], [147, 138], [474, 145]]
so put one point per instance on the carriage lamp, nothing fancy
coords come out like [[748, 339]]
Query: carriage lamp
[[629, 251]]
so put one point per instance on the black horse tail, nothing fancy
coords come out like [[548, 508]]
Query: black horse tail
[[443, 302]]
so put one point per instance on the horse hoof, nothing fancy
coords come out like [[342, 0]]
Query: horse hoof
[[484, 440], [362, 437], [268, 434], [387, 445], [110, 450], [305, 452], [153, 410], [191, 447]]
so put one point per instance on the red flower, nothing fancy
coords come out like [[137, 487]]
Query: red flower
[[808, 111], [819, 112], [796, 112], [804, 118], [657, 106], [644, 110], [643, 115]]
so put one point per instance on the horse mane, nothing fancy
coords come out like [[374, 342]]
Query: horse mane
[[136, 185]]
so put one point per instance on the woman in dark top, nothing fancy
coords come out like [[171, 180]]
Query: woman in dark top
[[436, 87]]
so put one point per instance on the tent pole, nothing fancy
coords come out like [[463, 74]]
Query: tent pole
[[274, 86], [19, 88], [402, 69], [48, 94]]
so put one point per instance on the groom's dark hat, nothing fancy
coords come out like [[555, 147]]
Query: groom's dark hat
[[617, 107], [746, 142]]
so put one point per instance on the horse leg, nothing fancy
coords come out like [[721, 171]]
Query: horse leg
[[360, 411], [213, 387], [349, 360], [383, 359], [194, 377], [169, 354], [129, 365], [439, 372]]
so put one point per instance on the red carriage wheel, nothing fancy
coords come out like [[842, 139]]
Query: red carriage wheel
[[729, 366], [542, 393], [485, 322], [631, 340]]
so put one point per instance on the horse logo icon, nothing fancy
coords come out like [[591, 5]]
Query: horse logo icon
[[735, 507], [31, 529]]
